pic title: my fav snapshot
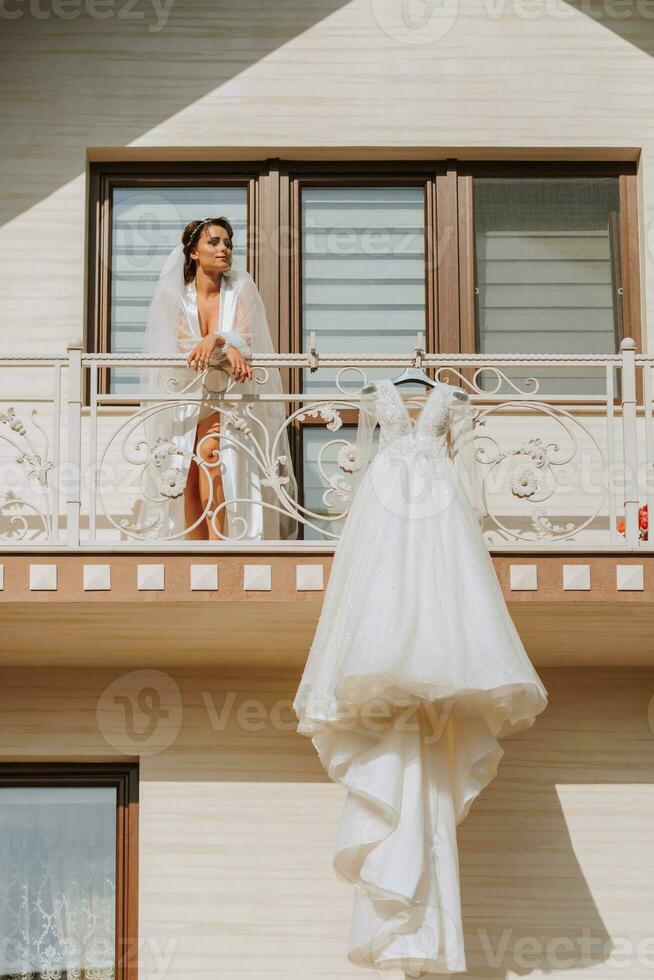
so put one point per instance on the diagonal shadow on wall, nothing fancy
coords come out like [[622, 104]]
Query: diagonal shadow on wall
[[85, 81]]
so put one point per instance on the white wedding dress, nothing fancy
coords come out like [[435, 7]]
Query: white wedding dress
[[415, 672]]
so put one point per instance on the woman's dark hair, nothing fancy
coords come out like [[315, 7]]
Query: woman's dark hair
[[190, 237]]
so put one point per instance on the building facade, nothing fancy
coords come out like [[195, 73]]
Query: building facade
[[463, 187]]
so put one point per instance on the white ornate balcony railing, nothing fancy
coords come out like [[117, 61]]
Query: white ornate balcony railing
[[560, 472]]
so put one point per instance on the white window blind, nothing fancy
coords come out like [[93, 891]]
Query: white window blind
[[363, 273], [147, 223], [547, 255]]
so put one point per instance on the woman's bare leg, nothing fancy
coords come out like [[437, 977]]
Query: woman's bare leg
[[193, 505], [210, 478]]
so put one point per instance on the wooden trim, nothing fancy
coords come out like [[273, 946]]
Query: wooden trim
[[617, 298], [467, 284], [617, 290], [329, 169], [527, 168], [264, 227], [431, 267], [448, 260], [93, 266], [630, 257], [124, 777], [294, 329], [365, 171], [251, 244], [630, 262], [468, 325], [286, 246], [392, 180], [98, 299], [127, 867]]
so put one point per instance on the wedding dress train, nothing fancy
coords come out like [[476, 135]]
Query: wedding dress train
[[415, 673]]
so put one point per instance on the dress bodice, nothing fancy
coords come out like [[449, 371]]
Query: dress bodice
[[399, 435]]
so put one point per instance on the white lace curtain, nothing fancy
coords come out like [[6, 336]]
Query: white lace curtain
[[57, 883]]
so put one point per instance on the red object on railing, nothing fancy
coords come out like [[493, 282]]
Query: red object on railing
[[642, 523]]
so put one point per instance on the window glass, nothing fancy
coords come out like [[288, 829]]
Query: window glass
[[547, 274], [147, 223], [363, 274], [58, 881]]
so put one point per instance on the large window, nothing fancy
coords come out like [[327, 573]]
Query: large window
[[67, 854], [548, 271], [478, 257], [363, 272], [363, 287]]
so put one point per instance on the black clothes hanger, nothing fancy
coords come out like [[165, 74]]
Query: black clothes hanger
[[411, 375], [416, 374]]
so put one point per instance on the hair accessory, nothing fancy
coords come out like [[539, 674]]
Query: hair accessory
[[202, 221]]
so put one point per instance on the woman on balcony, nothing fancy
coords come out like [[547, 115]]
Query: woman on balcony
[[213, 472]]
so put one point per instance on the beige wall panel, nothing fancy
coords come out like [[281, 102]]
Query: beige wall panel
[[238, 823]]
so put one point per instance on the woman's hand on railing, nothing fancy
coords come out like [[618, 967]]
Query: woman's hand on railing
[[240, 367], [212, 350], [199, 357]]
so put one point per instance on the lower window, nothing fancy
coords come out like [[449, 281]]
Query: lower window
[[68, 860]]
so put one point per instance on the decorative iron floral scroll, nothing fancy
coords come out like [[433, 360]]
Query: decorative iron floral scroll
[[26, 514], [534, 467], [516, 463]]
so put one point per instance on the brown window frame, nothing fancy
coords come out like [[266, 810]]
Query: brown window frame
[[450, 308], [274, 254], [629, 312], [274, 241], [104, 178], [124, 777], [360, 173]]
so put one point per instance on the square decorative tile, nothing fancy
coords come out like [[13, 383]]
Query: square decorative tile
[[576, 577], [523, 577], [629, 578], [43, 578], [150, 578], [257, 578], [309, 578], [204, 578], [97, 578]]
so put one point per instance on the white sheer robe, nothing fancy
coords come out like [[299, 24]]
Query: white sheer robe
[[254, 443]]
